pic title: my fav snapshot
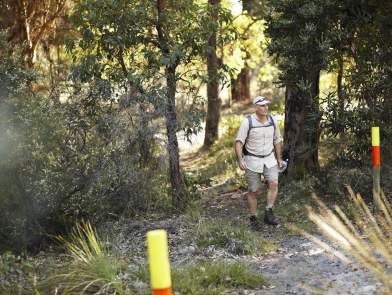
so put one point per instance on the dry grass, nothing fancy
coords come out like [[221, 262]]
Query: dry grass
[[366, 237]]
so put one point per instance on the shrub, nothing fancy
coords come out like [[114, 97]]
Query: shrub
[[60, 161]]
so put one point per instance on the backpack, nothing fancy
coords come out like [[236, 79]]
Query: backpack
[[244, 150]]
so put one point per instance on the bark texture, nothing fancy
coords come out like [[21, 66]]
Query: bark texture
[[176, 180], [177, 183], [214, 101], [302, 128], [240, 87]]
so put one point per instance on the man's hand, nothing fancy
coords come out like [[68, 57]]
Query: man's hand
[[242, 164], [280, 164]]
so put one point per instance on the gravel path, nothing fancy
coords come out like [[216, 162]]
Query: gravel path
[[296, 264], [300, 262]]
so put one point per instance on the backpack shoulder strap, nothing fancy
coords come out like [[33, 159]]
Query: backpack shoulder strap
[[250, 125], [244, 151], [271, 120]]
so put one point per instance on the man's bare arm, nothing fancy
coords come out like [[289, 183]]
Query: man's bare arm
[[278, 152], [238, 151]]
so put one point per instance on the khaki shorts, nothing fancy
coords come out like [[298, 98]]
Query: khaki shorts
[[253, 178]]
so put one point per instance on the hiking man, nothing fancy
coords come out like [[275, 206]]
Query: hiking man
[[258, 150]]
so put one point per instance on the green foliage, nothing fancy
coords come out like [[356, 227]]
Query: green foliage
[[213, 278], [237, 239], [14, 78], [119, 43], [298, 32], [367, 84], [63, 160], [193, 212], [300, 41], [80, 162], [350, 130], [309, 36], [339, 174], [17, 226], [248, 49], [12, 263], [210, 278]]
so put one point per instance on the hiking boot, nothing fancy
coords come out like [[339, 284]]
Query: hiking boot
[[269, 217], [254, 223]]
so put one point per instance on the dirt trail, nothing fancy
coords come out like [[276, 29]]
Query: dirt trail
[[300, 262], [296, 263]]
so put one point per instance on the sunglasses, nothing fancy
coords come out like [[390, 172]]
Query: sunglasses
[[260, 100]]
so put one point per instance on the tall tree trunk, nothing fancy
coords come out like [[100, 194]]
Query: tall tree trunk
[[176, 180], [302, 128], [214, 102], [240, 87], [177, 183]]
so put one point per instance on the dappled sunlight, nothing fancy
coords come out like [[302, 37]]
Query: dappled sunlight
[[134, 116]]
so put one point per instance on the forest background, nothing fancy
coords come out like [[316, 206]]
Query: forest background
[[95, 95]]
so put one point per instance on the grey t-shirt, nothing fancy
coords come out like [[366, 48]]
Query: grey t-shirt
[[261, 141]]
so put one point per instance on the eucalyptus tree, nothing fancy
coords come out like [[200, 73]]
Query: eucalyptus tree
[[240, 86], [30, 22], [214, 101], [299, 40], [251, 46], [141, 45]]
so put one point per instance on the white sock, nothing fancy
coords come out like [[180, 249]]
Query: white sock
[[269, 206]]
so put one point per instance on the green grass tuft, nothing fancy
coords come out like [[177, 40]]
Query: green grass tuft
[[237, 239], [213, 278], [91, 270]]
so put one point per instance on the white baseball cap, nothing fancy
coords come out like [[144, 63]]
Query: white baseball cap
[[261, 100]]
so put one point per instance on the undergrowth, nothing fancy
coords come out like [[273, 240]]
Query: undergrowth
[[16, 273], [220, 163], [213, 278], [236, 239], [91, 268]]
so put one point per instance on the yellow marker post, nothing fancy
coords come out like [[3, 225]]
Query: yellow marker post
[[375, 136], [158, 257], [376, 162]]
